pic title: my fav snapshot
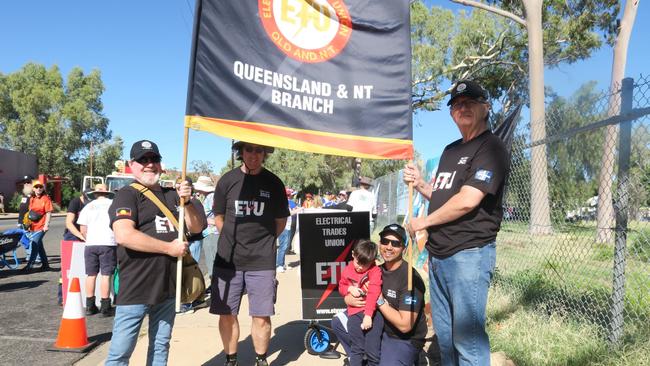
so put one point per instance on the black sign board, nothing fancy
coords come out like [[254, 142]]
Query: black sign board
[[326, 241]]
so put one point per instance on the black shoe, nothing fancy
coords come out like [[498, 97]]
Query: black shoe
[[231, 363], [291, 252], [261, 362], [91, 309], [330, 354], [26, 269], [106, 309]]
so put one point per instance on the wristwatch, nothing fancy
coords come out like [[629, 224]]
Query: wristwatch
[[380, 301]]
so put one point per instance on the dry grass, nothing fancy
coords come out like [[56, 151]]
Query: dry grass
[[531, 337]]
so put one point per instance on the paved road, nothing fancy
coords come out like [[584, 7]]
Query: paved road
[[29, 314]]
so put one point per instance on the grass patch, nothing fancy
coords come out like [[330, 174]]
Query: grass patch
[[639, 244], [530, 336]]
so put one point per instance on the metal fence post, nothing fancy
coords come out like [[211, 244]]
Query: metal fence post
[[621, 208]]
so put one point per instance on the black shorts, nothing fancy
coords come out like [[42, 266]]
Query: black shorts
[[100, 259]]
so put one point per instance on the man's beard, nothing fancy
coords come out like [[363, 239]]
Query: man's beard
[[27, 191], [150, 181]]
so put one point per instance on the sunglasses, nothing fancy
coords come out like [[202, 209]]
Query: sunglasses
[[257, 150], [148, 159], [38, 187], [393, 243], [467, 103]]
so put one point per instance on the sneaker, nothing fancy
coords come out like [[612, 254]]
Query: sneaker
[[280, 269], [231, 363], [186, 309], [260, 362], [91, 309]]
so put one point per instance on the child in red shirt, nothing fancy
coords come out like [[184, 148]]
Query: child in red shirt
[[362, 278]]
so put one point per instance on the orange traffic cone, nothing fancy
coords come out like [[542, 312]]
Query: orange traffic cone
[[72, 332]]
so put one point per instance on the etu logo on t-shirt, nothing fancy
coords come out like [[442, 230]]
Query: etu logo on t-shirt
[[249, 208], [444, 180], [163, 226]]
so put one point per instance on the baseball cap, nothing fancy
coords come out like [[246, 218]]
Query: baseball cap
[[142, 147], [37, 182], [26, 179], [467, 88], [396, 230]]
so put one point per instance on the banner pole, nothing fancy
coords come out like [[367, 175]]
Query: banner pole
[[181, 226], [409, 252]]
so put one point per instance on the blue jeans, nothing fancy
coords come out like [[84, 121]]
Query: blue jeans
[[283, 244], [36, 248], [210, 249], [126, 327], [195, 249], [398, 352], [393, 351], [459, 288]]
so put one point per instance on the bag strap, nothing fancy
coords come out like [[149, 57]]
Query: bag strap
[[150, 195]]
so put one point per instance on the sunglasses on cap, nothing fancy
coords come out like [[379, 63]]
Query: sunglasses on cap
[[256, 149], [148, 159], [393, 243]]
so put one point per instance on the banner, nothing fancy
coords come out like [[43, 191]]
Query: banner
[[326, 241], [322, 76]]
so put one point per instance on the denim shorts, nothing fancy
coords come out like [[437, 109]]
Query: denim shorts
[[228, 287]]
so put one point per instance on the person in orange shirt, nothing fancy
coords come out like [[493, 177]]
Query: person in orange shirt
[[40, 210], [309, 201]]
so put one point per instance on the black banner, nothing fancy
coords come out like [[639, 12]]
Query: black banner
[[324, 76], [326, 241]]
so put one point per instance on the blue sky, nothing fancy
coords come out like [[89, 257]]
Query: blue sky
[[143, 48]]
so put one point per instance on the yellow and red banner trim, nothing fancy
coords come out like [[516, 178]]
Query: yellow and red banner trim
[[304, 140]]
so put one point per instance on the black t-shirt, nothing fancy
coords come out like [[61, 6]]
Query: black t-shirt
[[482, 163], [250, 204], [74, 207], [395, 290], [145, 278], [23, 208]]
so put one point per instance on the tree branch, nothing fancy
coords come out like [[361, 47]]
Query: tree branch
[[491, 9]]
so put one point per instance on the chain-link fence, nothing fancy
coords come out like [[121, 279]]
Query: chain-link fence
[[583, 251]]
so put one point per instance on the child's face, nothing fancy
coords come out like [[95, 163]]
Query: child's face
[[360, 268]]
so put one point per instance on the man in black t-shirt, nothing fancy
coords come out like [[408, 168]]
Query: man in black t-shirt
[[72, 229], [251, 211], [147, 252], [405, 326], [465, 211]]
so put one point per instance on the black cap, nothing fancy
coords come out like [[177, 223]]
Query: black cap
[[394, 229], [26, 179], [142, 147], [237, 146], [468, 88]]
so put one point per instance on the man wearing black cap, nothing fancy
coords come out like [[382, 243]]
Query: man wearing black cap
[[405, 325], [250, 208], [148, 247], [23, 207], [465, 212]]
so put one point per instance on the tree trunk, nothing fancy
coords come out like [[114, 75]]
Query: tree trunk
[[540, 217], [605, 223]]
